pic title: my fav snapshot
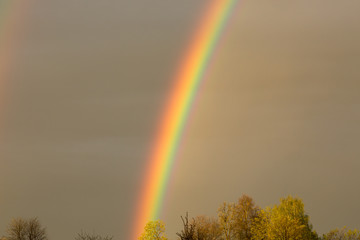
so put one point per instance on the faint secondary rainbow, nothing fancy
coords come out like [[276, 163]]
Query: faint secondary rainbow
[[186, 84], [5, 29], [7, 19], [12, 14]]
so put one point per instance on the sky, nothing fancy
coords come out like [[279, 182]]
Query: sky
[[277, 114]]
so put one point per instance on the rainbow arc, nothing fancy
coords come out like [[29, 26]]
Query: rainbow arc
[[186, 84], [187, 80]]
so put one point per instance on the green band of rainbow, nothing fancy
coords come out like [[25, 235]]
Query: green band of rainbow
[[187, 82]]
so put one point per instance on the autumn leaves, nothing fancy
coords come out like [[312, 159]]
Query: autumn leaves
[[243, 220]]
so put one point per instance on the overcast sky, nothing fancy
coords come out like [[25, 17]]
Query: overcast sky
[[278, 113]]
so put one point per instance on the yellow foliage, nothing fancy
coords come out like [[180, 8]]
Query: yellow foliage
[[286, 221], [154, 230], [342, 234]]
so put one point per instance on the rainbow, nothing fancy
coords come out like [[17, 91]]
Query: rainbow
[[4, 39], [12, 14], [186, 84]]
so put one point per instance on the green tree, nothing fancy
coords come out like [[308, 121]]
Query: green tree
[[154, 230]]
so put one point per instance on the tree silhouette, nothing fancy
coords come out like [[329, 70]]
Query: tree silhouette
[[93, 236], [22, 229], [188, 233]]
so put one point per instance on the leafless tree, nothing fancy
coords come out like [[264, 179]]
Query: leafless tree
[[22, 229], [87, 236], [17, 229], [35, 231], [188, 233]]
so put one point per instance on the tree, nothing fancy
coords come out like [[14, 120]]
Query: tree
[[352, 234], [342, 234], [154, 230], [245, 212], [259, 227], [188, 233], [17, 229], [93, 236], [199, 228], [236, 219], [22, 229], [227, 220], [206, 228], [286, 221], [35, 231]]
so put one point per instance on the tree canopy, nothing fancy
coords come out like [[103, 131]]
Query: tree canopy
[[154, 230], [244, 220]]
